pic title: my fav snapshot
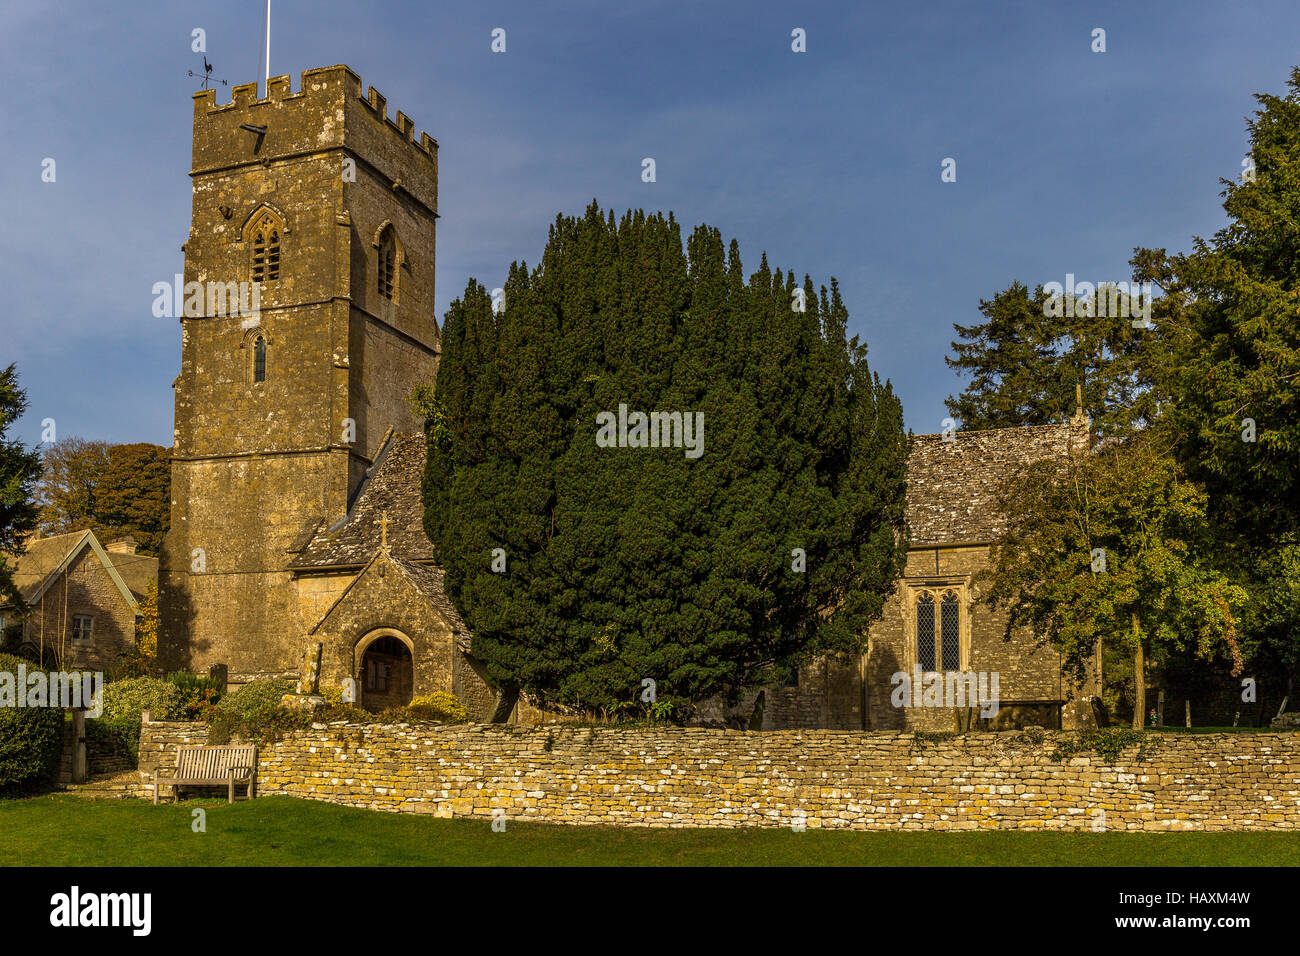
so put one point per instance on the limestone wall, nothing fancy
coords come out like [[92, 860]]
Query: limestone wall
[[845, 779]]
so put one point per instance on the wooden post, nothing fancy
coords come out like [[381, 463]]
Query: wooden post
[[1139, 680], [1187, 713], [79, 765]]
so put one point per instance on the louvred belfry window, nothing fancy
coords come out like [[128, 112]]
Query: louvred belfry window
[[264, 238], [387, 265]]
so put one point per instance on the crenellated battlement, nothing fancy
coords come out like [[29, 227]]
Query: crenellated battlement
[[323, 90]]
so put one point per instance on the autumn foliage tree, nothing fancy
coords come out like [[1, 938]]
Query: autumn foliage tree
[[1112, 548], [114, 490]]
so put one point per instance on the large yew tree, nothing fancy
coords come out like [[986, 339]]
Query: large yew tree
[[779, 542]]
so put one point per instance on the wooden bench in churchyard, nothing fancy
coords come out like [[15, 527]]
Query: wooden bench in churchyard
[[210, 767]]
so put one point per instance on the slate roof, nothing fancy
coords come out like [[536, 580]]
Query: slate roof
[[393, 487], [952, 485]]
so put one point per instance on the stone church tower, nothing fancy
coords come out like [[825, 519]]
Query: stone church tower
[[328, 207]]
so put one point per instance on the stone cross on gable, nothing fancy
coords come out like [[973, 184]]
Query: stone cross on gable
[[383, 530]]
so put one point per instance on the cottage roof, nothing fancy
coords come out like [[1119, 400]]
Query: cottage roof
[[44, 559]]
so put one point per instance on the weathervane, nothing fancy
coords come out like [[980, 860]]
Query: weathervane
[[207, 74]]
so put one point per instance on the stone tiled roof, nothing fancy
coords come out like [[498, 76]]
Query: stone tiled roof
[[952, 486], [393, 488], [428, 581], [137, 570]]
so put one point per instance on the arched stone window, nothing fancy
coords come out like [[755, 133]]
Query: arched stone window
[[925, 631], [387, 264], [950, 632], [938, 618], [259, 360], [264, 234]]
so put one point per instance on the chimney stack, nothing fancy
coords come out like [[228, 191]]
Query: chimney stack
[[125, 545]]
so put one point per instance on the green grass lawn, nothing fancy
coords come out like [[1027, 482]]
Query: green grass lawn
[[63, 830]]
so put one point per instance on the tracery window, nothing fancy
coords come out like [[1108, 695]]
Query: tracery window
[[264, 241], [938, 631], [925, 632]]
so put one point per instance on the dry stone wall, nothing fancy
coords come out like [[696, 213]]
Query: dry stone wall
[[684, 777]]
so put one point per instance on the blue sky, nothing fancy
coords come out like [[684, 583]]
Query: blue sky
[[827, 160]]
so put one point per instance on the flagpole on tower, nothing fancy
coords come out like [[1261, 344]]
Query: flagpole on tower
[[266, 87]]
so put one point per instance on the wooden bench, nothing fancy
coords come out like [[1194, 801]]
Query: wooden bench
[[210, 767]]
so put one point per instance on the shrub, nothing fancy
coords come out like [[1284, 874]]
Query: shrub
[[126, 699], [333, 696], [121, 735], [442, 707], [260, 695], [199, 694], [31, 738], [331, 713], [439, 708], [262, 726]]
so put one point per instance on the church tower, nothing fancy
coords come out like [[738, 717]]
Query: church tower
[[326, 208]]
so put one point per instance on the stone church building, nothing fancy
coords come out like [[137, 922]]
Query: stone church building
[[297, 460]]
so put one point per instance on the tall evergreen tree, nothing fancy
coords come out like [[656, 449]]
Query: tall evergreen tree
[[702, 573], [19, 471], [1230, 380], [1027, 358], [1236, 368]]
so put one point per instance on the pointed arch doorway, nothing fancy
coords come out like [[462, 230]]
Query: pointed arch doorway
[[384, 669]]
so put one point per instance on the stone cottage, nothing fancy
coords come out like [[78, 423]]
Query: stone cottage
[[83, 600]]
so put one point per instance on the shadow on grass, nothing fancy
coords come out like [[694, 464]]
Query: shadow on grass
[[64, 830]]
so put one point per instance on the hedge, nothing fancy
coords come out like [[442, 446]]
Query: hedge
[[31, 738]]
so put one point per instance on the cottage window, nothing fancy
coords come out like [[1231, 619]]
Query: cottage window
[[82, 626]]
